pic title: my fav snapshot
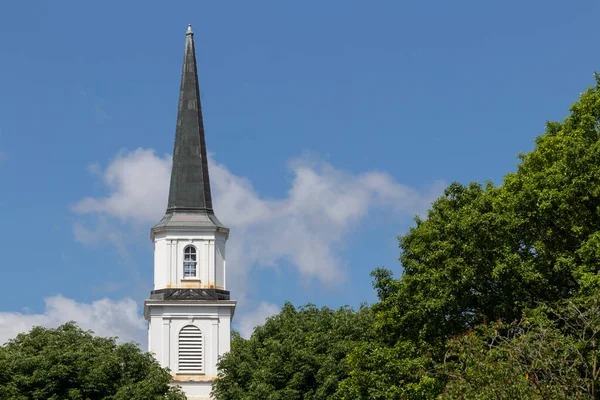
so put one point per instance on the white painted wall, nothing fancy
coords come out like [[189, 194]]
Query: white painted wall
[[213, 318], [168, 260], [220, 262], [167, 318]]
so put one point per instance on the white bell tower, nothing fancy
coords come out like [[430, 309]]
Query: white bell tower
[[189, 311]]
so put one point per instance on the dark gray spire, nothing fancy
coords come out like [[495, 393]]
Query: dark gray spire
[[190, 186]]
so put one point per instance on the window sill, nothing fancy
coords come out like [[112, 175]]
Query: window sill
[[190, 374], [191, 279], [199, 377]]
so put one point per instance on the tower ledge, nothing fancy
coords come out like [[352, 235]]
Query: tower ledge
[[189, 222]]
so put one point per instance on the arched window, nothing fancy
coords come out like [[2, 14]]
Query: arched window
[[190, 350], [189, 262]]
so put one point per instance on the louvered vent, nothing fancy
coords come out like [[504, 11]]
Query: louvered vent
[[190, 350]]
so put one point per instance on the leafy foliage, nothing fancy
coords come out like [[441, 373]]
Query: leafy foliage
[[69, 363], [552, 354], [488, 253], [297, 354]]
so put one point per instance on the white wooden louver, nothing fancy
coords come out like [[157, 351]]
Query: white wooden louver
[[190, 350]]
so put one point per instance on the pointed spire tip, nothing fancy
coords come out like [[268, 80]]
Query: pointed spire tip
[[189, 30]]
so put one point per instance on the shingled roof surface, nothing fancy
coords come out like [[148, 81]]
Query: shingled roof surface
[[190, 185]]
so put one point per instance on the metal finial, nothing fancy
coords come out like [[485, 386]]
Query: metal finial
[[189, 29]]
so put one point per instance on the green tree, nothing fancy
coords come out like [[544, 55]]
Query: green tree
[[297, 354], [551, 353], [488, 253], [69, 363]]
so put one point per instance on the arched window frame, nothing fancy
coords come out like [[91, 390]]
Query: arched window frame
[[190, 262], [190, 350]]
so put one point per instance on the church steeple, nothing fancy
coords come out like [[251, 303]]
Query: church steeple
[[190, 185], [189, 311]]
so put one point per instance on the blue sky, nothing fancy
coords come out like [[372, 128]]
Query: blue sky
[[330, 124]]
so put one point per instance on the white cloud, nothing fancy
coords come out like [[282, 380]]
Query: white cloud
[[138, 183], [308, 226], [305, 228], [247, 322], [105, 317]]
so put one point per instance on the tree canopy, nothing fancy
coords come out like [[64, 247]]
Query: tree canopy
[[297, 354], [492, 274], [69, 363], [550, 353]]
